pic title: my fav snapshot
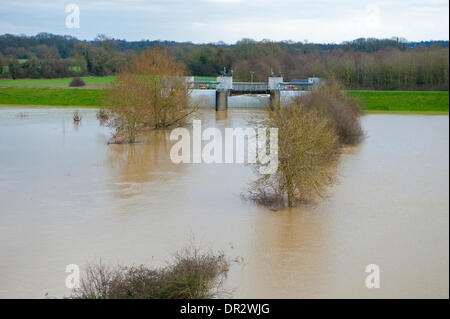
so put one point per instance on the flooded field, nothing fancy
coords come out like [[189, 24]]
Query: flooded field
[[67, 197]]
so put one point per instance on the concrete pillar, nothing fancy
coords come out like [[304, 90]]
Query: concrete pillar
[[221, 115], [222, 100], [314, 81], [275, 98], [224, 83], [222, 91], [190, 81], [274, 82]]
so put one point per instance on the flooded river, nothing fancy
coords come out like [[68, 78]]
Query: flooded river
[[67, 197]]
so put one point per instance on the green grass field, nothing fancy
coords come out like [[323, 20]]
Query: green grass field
[[402, 101], [64, 82], [205, 78], [51, 97], [61, 82], [371, 101]]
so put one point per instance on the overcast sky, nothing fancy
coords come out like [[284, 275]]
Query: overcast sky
[[323, 21]]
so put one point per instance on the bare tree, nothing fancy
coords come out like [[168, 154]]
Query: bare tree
[[152, 93], [330, 101]]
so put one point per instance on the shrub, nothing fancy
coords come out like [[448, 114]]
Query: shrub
[[345, 112], [102, 115], [76, 116], [192, 274], [307, 156], [77, 82]]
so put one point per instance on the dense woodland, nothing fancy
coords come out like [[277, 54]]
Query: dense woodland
[[390, 64]]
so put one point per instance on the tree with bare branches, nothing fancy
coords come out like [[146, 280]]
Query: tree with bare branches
[[307, 157], [152, 94]]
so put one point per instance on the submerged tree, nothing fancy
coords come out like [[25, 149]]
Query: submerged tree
[[311, 130], [152, 93], [330, 101], [307, 156]]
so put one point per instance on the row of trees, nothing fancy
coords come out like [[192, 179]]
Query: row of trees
[[44, 62], [34, 68], [23, 47], [362, 63], [417, 68]]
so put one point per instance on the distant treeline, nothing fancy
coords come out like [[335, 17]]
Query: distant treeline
[[389, 64]]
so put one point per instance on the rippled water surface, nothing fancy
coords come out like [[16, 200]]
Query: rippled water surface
[[67, 197]]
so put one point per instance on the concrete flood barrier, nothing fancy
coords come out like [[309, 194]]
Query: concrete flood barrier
[[224, 93], [207, 98]]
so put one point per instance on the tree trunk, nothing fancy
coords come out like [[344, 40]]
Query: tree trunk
[[290, 191]]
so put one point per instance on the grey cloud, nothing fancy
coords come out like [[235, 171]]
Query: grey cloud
[[230, 20]]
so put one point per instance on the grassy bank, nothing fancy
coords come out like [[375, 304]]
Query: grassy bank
[[64, 82], [402, 101], [51, 97], [61, 82], [205, 78], [371, 101]]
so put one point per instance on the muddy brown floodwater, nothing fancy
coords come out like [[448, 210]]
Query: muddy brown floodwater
[[66, 197]]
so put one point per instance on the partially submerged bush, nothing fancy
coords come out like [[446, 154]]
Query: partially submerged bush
[[153, 93], [307, 156], [266, 191], [76, 116], [345, 112], [102, 115], [77, 82], [310, 131], [192, 275]]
